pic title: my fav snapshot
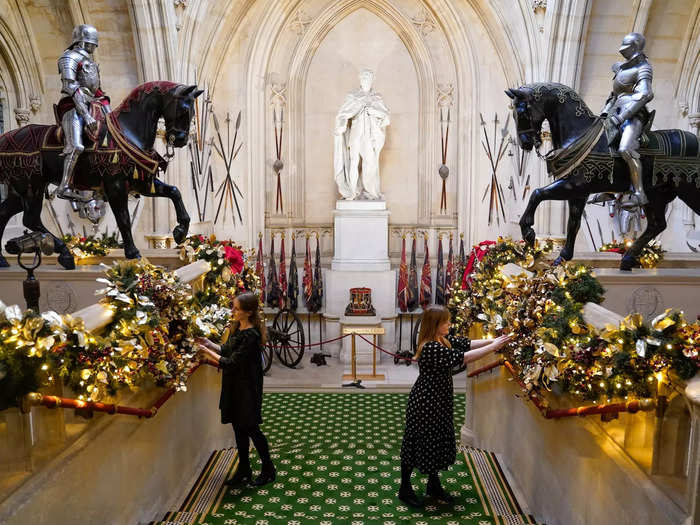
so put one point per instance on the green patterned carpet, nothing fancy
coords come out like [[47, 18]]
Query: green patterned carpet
[[337, 459]]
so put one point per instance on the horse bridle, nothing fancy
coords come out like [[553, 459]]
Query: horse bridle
[[170, 132], [534, 133]]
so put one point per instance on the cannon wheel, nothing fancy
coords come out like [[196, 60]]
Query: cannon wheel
[[289, 345], [267, 357], [414, 346]]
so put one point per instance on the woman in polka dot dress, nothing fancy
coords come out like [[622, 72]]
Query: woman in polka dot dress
[[429, 439]]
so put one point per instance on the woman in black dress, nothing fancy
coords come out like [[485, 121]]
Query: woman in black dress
[[242, 386], [429, 439]]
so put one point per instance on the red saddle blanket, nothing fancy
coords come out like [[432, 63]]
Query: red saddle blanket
[[97, 110]]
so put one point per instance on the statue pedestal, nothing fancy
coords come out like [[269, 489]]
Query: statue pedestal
[[361, 233], [361, 258]]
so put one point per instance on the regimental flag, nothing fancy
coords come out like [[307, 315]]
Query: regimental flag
[[413, 279], [293, 286], [317, 295], [308, 281], [274, 295], [440, 277], [449, 273], [462, 260], [260, 269], [403, 278], [283, 276], [426, 281]]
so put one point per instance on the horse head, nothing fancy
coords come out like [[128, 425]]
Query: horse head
[[528, 118], [178, 111]]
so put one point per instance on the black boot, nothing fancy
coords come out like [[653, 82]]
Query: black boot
[[267, 474], [241, 477], [435, 489], [406, 492]]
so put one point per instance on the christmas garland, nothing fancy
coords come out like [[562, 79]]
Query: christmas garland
[[148, 341], [555, 349], [91, 246], [650, 257]]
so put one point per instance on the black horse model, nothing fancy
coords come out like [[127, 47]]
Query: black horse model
[[582, 164], [120, 160]]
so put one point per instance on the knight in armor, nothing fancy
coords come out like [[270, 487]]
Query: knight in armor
[[84, 101], [625, 111]]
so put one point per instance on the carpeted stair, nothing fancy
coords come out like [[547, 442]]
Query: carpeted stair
[[337, 459]]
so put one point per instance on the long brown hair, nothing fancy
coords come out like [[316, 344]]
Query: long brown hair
[[250, 302], [433, 317]]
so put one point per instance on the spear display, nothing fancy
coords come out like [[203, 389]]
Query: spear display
[[444, 171], [494, 188], [278, 164], [228, 188]]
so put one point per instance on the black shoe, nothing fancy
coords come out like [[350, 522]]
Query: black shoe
[[267, 475], [241, 477], [409, 497], [440, 494]]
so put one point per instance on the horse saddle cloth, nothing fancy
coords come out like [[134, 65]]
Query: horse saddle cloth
[[97, 111]]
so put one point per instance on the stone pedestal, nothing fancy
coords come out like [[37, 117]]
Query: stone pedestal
[[361, 258], [361, 236]]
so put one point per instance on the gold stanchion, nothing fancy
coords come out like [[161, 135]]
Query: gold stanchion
[[362, 330]]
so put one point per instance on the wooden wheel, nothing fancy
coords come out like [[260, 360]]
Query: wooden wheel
[[289, 337], [266, 356]]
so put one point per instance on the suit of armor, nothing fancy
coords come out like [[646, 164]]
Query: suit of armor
[[80, 76], [626, 107]]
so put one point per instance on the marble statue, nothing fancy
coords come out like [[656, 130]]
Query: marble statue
[[360, 129]]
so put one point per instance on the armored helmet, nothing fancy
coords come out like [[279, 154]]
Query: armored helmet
[[85, 33], [632, 44]]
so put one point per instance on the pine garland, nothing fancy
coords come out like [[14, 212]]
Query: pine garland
[[554, 348], [148, 341]]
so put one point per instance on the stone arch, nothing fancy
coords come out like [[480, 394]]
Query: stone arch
[[21, 76], [415, 45], [687, 82], [271, 17]]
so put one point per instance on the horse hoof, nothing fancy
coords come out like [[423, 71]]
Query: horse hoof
[[3, 262], [180, 233], [627, 263], [529, 236], [133, 255], [67, 261]]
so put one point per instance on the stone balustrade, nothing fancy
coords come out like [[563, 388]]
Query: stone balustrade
[[36, 444]]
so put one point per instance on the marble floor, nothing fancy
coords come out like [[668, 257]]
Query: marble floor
[[308, 377]]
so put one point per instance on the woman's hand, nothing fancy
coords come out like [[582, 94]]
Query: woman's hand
[[206, 343], [501, 341]]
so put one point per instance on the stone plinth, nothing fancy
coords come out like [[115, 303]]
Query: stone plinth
[[650, 292], [361, 258], [361, 236]]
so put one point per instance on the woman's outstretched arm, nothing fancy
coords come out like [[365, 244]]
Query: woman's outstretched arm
[[485, 349]]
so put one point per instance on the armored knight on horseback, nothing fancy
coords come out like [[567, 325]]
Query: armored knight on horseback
[[625, 111], [77, 112]]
